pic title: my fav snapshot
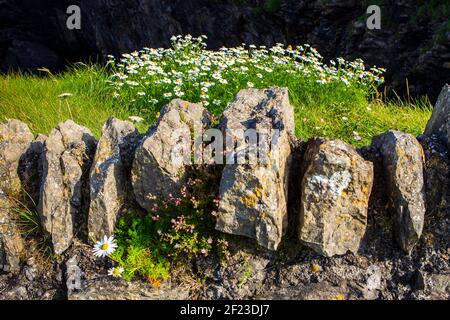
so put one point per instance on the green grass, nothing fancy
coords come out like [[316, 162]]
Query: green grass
[[329, 100], [35, 101]]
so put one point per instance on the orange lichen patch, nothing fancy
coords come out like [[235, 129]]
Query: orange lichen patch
[[339, 297], [365, 190], [400, 152], [154, 282], [259, 192], [250, 200], [106, 150], [360, 202], [316, 268]]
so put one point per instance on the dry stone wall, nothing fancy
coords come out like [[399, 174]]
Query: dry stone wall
[[86, 185]]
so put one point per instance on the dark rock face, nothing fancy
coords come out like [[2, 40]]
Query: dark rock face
[[410, 44], [403, 161]]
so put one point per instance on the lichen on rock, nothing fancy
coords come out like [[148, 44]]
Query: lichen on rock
[[110, 185], [164, 153], [335, 195], [254, 194], [403, 165], [67, 157], [15, 139]]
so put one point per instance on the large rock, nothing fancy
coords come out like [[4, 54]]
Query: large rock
[[437, 173], [159, 166], [439, 123], [336, 188], [15, 138], [254, 194], [67, 156], [11, 242], [403, 165], [110, 185]]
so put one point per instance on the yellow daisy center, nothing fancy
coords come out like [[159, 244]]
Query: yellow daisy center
[[104, 246], [116, 272]]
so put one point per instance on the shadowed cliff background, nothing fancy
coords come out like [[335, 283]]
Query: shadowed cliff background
[[413, 43]]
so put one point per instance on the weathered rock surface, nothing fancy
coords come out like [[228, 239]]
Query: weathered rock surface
[[68, 153], [11, 243], [403, 165], [110, 186], [159, 166], [15, 138], [124, 290], [254, 194], [335, 194], [439, 286], [439, 123]]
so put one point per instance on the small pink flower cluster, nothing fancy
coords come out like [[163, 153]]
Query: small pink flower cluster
[[180, 224]]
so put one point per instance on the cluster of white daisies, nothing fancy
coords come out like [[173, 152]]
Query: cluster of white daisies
[[104, 248], [156, 76]]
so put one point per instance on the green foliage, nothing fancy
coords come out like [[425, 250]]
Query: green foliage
[[26, 217], [34, 99], [178, 230]]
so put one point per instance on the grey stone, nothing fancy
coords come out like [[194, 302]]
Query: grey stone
[[15, 138], [254, 194], [438, 285], [373, 281], [104, 289], [335, 194], [161, 159], [439, 123], [403, 165], [110, 185], [67, 156]]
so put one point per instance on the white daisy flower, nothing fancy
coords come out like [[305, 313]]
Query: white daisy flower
[[356, 136], [104, 247], [65, 95], [135, 118], [116, 272]]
